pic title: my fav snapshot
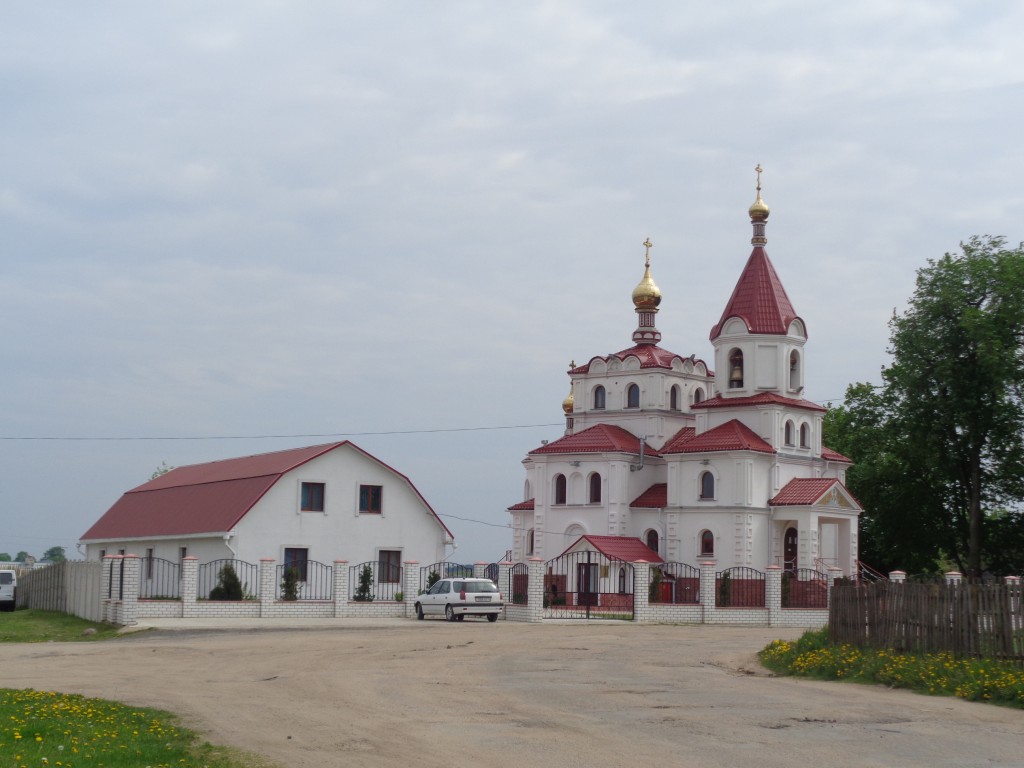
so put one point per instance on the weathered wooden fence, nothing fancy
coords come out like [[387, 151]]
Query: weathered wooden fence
[[70, 587], [964, 619]]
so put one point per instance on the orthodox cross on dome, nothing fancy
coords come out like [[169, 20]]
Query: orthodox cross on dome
[[759, 170], [759, 213], [647, 252], [646, 298]]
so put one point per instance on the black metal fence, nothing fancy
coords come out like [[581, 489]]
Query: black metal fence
[[675, 583], [804, 588], [492, 572], [305, 580], [216, 575], [740, 587], [588, 584], [519, 584], [443, 570], [374, 580], [159, 579]]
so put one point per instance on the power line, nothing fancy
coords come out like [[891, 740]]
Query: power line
[[55, 438]]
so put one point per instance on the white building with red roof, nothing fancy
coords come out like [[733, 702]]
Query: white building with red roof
[[321, 503], [724, 464]]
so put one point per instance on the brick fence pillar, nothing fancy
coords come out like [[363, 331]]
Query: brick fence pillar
[[107, 588], [535, 590], [898, 577], [707, 590], [1012, 581], [954, 578], [340, 588], [641, 591], [130, 591], [189, 585], [411, 589], [268, 588], [773, 594], [479, 570], [505, 582], [833, 574]]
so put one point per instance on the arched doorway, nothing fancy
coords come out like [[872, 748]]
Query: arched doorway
[[790, 547], [652, 540]]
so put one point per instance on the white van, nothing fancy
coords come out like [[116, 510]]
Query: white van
[[8, 589]]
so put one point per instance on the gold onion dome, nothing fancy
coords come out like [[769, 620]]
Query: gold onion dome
[[647, 295], [759, 210], [568, 403]]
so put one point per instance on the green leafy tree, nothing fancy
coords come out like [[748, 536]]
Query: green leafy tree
[[54, 555], [940, 445], [364, 592], [22, 556], [163, 469], [5, 557]]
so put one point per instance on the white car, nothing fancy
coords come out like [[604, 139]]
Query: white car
[[456, 598], [8, 590]]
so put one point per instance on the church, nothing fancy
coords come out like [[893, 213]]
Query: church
[[672, 460]]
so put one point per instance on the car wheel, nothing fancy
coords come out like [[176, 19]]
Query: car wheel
[[492, 617], [449, 613], [419, 611]]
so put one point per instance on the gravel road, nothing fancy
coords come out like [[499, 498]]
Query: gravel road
[[401, 693]]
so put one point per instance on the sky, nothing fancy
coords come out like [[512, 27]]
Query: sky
[[231, 228]]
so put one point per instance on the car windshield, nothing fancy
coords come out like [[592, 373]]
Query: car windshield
[[476, 586], [6, 578]]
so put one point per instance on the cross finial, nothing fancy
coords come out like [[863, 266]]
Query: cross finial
[[759, 169], [572, 364], [647, 252]]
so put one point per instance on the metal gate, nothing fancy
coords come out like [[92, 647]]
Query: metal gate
[[588, 585]]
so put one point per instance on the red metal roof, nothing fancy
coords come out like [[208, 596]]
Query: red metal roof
[[762, 398], [684, 435], [655, 497], [599, 438], [805, 491], [649, 355], [829, 455], [210, 498], [628, 548], [731, 436], [758, 298], [522, 505]]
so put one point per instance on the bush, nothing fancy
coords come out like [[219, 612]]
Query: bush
[[364, 592], [229, 586], [290, 584]]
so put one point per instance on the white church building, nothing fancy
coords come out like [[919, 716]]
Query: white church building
[[725, 464]]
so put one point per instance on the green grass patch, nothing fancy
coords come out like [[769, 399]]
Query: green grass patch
[[32, 626], [41, 728], [937, 674]]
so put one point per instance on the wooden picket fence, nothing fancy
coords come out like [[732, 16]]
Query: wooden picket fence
[[983, 620]]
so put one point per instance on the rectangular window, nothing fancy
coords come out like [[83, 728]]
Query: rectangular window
[[389, 566], [297, 558], [312, 497], [370, 498]]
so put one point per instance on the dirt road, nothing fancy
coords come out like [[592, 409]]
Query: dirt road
[[437, 694]]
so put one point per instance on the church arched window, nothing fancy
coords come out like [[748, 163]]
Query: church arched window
[[805, 435], [595, 488], [652, 540], [707, 544], [632, 396], [789, 433], [736, 369], [698, 395], [794, 370], [673, 397], [707, 485], [560, 488], [599, 398]]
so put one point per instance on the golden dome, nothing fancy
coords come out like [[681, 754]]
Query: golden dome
[[759, 210], [567, 404], [647, 295]]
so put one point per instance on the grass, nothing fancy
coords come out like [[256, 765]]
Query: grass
[[41, 728], [937, 674], [33, 626], [47, 729]]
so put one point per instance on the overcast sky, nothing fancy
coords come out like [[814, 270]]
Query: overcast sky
[[390, 221]]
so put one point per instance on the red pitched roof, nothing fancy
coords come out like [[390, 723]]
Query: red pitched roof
[[684, 435], [522, 505], [628, 548], [649, 355], [731, 436], [758, 298], [655, 497], [829, 455], [599, 438], [762, 398], [209, 498], [805, 491]]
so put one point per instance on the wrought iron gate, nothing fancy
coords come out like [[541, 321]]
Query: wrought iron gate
[[588, 585]]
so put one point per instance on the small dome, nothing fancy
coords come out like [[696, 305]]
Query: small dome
[[759, 210], [646, 295], [567, 404]]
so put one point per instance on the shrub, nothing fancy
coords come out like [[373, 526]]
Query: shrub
[[290, 584], [432, 578], [364, 592], [229, 586]]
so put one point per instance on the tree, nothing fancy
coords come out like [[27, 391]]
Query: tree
[[941, 442], [5, 557], [364, 592], [290, 583], [22, 556], [55, 555], [229, 586]]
